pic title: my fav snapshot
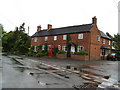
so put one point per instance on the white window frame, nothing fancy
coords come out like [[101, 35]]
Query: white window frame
[[64, 48], [80, 36], [98, 38], [103, 41], [46, 38], [35, 39], [64, 37], [43, 47], [109, 42], [79, 48], [59, 47], [55, 38]]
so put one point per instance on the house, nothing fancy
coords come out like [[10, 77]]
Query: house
[[83, 37]]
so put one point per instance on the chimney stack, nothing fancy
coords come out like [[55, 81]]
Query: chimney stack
[[38, 28], [49, 26], [94, 20]]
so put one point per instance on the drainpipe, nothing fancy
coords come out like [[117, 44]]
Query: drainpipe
[[89, 46]]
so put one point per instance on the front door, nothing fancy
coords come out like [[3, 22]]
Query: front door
[[72, 49]]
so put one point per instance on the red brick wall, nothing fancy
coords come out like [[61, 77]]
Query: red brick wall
[[74, 38], [106, 42], [95, 45]]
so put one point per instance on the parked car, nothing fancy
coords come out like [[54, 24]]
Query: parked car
[[113, 56], [118, 56]]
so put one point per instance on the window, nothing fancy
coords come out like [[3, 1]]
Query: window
[[79, 48], [55, 38], [64, 37], [64, 48], [59, 47], [80, 36], [43, 47], [103, 41], [35, 39], [48, 47], [98, 38], [32, 38], [35, 48], [109, 42], [46, 38]]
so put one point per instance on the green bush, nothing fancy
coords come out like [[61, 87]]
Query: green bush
[[61, 52], [29, 54], [55, 51], [41, 53], [81, 53]]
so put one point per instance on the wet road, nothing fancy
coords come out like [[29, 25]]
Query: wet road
[[24, 73], [15, 75]]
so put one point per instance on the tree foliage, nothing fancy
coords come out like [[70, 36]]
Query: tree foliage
[[16, 42], [117, 41]]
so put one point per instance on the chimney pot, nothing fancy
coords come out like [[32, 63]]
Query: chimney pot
[[49, 26]]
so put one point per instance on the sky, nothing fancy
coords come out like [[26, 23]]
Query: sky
[[59, 13]]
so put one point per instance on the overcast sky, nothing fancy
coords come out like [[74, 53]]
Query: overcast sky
[[59, 13]]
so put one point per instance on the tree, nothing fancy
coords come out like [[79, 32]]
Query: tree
[[16, 42], [110, 36], [117, 41]]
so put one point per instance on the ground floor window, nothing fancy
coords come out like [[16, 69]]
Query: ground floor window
[[80, 48], [43, 47], [59, 47], [48, 47], [105, 52], [64, 48]]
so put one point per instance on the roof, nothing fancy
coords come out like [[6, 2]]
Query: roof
[[64, 30], [105, 47], [104, 35]]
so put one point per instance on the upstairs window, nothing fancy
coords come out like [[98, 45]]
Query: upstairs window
[[80, 48], [98, 38], [64, 48], [46, 38], [80, 36], [35, 39], [64, 37], [103, 41], [55, 38]]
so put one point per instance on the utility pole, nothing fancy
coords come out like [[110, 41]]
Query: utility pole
[[28, 30]]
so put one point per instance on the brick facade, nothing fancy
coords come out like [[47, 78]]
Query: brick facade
[[89, 42]]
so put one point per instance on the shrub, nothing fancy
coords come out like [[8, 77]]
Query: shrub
[[29, 54], [81, 53], [41, 53], [55, 51], [61, 52]]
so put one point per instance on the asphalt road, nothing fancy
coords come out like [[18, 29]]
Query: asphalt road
[[22, 73]]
